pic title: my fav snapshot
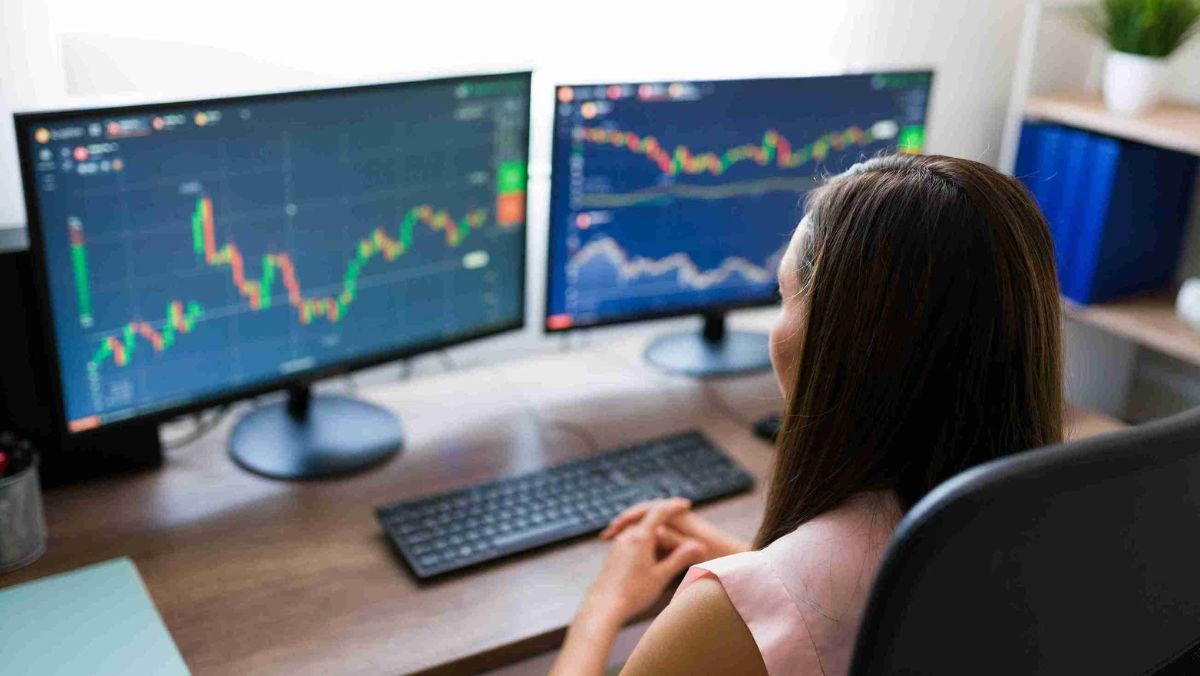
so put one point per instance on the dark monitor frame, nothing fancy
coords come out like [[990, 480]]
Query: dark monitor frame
[[25, 121], [712, 309]]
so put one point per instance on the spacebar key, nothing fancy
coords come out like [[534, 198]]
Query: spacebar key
[[534, 537]]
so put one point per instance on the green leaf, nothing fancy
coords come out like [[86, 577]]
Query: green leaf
[[1154, 28]]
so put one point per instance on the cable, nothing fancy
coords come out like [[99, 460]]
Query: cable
[[713, 397], [201, 428], [448, 362], [659, 379], [707, 390], [578, 339], [578, 431], [564, 342]]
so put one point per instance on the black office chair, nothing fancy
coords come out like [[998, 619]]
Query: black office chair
[[1082, 558]]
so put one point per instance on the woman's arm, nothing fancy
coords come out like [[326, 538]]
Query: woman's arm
[[588, 643], [632, 578], [700, 632]]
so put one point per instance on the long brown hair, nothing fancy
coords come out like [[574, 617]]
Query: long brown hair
[[932, 339]]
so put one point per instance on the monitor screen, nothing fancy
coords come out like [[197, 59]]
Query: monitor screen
[[199, 251], [671, 198]]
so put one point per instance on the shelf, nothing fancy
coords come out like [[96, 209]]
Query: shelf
[[1148, 320], [1173, 126]]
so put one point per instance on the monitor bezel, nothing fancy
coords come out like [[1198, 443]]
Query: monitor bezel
[[24, 122], [699, 309]]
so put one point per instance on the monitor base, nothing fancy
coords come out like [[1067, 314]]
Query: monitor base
[[311, 437], [713, 352]]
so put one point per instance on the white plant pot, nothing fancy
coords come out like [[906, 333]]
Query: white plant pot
[[1132, 83], [1187, 303]]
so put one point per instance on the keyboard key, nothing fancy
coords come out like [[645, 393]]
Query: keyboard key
[[536, 536]]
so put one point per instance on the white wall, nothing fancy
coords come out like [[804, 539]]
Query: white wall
[[75, 53]]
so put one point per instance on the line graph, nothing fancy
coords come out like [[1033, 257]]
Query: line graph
[[277, 268], [629, 268], [673, 191]]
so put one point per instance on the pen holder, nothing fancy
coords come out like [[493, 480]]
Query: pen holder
[[22, 523]]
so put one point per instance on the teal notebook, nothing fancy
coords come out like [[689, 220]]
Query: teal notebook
[[97, 620]]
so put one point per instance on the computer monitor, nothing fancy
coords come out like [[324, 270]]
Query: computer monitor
[[200, 252], [676, 198]]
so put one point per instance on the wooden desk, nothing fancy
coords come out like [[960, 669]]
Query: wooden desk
[[258, 576]]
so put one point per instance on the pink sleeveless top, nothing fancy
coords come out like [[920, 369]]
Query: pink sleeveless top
[[802, 597]]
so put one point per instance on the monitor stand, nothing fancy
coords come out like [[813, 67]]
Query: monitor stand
[[712, 352], [309, 437]]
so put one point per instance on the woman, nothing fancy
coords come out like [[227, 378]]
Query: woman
[[919, 336]]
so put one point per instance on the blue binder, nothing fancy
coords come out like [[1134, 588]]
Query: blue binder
[[1026, 164], [1139, 238], [1116, 209], [1072, 181], [1077, 274], [1047, 181]]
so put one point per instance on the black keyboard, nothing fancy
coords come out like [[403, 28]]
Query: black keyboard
[[450, 531]]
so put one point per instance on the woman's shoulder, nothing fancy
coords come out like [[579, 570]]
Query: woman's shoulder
[[829, 562], [850, 537], [858, 528], [705, 620], [802, 596]]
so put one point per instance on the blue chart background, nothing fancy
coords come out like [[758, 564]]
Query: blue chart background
[[753, 226], [348, 163]]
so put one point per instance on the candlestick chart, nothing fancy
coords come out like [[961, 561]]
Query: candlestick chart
[[236, 245]]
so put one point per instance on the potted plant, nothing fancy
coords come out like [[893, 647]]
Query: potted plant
[[1141, 34]]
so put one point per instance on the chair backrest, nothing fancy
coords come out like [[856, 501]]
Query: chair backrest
[[1080, 558]]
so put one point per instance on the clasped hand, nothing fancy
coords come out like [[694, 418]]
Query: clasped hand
[[652, 543]]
